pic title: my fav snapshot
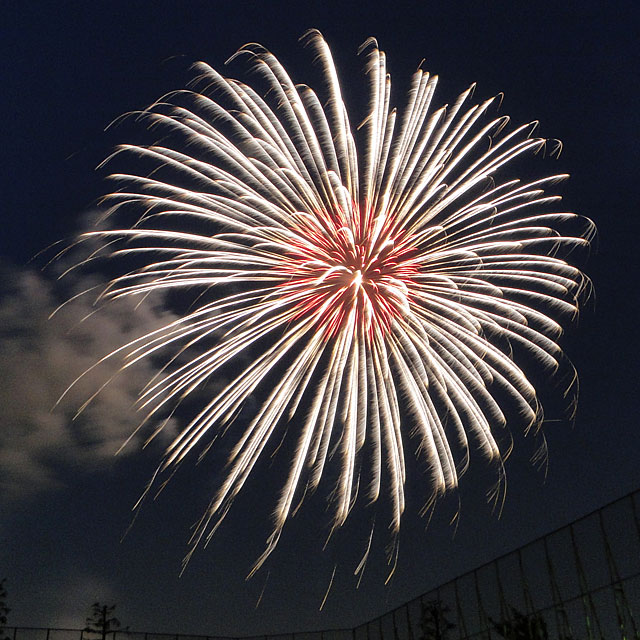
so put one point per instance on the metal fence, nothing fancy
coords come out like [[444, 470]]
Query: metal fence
[[41, 633], [581, 582]]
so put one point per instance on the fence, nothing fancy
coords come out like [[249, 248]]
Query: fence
[[43, 633], [581, 582]]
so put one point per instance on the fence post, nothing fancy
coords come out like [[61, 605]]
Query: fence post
[[462, 624], [619, 596], [482, 614], [408, 616], [590, 613], [395, 626]]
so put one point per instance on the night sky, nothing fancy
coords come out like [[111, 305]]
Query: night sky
[[68, 70]]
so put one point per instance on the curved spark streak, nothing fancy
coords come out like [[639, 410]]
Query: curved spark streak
[[406, 272]]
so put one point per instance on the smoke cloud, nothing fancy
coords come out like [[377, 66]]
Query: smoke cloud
[[41, 356]]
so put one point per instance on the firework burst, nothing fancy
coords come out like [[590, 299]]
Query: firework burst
[[374, 298]]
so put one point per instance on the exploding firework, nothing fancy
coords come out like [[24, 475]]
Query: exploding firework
[[375, 288]]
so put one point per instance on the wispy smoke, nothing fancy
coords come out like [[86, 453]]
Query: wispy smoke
[[67, 607], [40, 357]]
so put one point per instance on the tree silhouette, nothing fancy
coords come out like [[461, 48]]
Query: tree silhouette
[[433, 620], [102, 621], [519, 626], [4, 610]]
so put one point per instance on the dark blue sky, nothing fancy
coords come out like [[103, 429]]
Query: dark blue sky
[[69, 69]]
